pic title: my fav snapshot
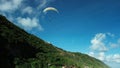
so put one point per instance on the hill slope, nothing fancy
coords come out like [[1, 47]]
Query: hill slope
[[18, 49]]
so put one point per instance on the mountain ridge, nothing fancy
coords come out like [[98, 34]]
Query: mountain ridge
[[19, 49]]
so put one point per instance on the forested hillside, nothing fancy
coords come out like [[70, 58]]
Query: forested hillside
[[19, 49]]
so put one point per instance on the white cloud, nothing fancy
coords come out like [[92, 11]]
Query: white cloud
[[97, 42], [28, 10], [42, 4], [115, 45], [91, 54], [8, 8], [29, 23], [113, 58], [101, 56], [108, 58], [110, 34], [100, 51], [116, 58], [9, 5]]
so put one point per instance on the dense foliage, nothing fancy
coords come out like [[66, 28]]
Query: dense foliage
[[19, 49]]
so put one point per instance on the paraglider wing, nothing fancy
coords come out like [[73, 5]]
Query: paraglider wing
[[50, 9]]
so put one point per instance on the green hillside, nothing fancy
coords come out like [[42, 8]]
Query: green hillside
[[19, 49]]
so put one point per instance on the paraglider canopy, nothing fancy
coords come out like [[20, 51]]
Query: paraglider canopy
[[50, 9], [48, 15]]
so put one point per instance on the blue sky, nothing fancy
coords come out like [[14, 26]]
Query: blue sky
[[87, 26]]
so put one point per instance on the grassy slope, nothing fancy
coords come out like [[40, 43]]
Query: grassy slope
[[18, 49]]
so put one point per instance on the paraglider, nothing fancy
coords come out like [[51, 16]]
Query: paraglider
[[50, 13], [50, 9]]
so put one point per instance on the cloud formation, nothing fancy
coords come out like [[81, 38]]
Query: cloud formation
[[101, 56], [98, 42], [99, 48], [9, 5], [115, 45], [110, 34], [29, 23], [113, 58], [42, 4], [28, 10], [23, 13]]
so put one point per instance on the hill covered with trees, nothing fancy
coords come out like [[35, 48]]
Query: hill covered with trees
[[19, 49]]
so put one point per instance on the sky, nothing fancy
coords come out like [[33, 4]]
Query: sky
[[86, 26]]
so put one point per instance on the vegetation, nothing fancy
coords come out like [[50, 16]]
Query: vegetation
[[19, 49]]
